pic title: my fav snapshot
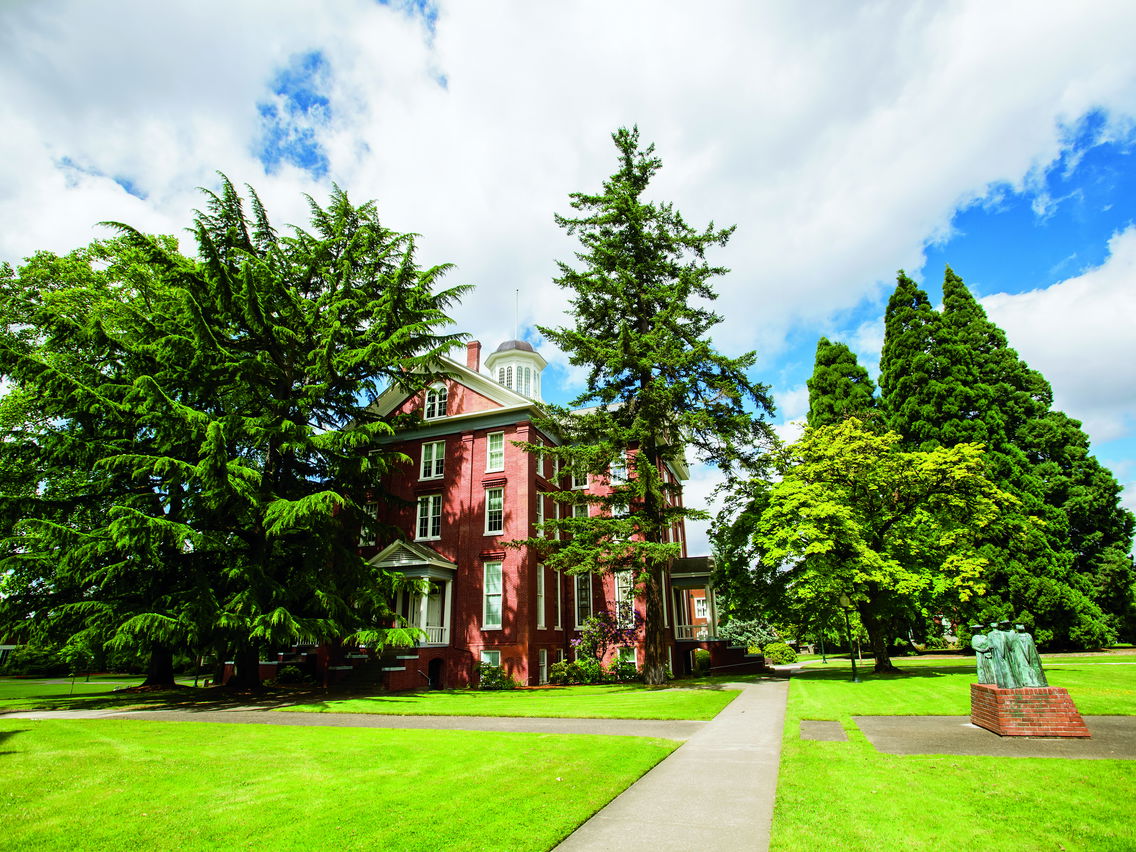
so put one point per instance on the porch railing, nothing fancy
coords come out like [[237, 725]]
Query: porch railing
[[695, 632], [437, 635]]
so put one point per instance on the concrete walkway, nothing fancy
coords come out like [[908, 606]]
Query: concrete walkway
[[715, 792]]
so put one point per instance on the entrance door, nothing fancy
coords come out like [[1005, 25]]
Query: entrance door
[[434, 671]]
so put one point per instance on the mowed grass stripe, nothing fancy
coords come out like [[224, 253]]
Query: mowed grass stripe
[[128, 784]]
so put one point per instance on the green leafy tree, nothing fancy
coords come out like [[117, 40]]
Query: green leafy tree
[[655, 383], [839, 387], [223, 404], [896, 531]]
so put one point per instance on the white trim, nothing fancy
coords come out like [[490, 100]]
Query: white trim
[[540, 599], [542, 666], [495, 530], [437, 462], [436, 408], [434, 519], [489, 452], [559, 599], [490, 657], [486, 624], [577, 598]]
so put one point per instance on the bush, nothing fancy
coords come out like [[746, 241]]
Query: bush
[[35, 660], [494, 677], [292, 674], [624, 671], [779, 654], [701, 662]]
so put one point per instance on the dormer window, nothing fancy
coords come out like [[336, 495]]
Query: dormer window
[[435, 402]]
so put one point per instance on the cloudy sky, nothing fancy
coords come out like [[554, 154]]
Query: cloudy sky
[[845, 140]]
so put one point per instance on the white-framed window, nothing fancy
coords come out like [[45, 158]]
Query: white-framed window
[[367, 534], [579, 510], [624, 598], [429, 517], [543, 666], [617, 471], [492, 658], [524, 380], [561, 656], [579, 479], [700, 607], [494, 511], [627, 655], [436, 398], [495, 451], [557, 535], [433, 460], [540, 622], [583, 598], [559, 601], [540, 513], [491, 610]]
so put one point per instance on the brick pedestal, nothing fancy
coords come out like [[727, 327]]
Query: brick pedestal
[[1026, 712]]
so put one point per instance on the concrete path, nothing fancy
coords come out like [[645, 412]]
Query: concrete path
[[715, 792], [666, 729]]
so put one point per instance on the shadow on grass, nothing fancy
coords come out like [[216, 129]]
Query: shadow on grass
[[185, 698], [6, 735], [867, 673]]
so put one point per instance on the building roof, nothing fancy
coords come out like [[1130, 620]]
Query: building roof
[[510, 345]]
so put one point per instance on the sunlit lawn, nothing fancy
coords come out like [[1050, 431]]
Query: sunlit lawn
[[119, 784], [846, 795], [102, 691], [625, 701]]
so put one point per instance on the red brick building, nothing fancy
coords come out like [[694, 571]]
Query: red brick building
[[468, 490]]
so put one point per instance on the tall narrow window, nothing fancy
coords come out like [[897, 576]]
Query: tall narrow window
[[436, 398], [500, 375], [617, 471], [579, 479], [624, 598], [583, 598], [429, 517], [491, 613], [540, 514], [526, 382], [580, 510], [509, 377], [543, 670], [495, 451], [559, 601], [367, 533], [494, 511], [540, 623], [433, 459], [700, 607]]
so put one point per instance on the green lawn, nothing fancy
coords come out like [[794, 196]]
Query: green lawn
[[103, 691], [624, 701], [127, 784], [849, 796]]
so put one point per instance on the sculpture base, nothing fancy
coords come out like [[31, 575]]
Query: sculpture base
[[1043, 711]]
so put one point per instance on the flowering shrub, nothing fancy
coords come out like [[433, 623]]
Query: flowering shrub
[[603, 631]]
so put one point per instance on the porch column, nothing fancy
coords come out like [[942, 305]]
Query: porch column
[[712, 612], [447, 619], [423, 608]]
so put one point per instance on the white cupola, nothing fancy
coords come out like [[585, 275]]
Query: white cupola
[[517, 366]]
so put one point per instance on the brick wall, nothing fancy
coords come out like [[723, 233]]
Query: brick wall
[[1027, 712]]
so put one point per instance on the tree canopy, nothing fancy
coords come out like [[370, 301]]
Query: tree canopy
[[655, 383], [188, 446]]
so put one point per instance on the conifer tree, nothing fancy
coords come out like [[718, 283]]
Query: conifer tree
[[655, 383], [839, 386], [226, 400], [909, 372]]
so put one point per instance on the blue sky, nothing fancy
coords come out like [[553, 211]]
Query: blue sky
[[844, 140]]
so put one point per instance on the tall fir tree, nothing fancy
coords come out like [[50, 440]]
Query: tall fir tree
[[839, 387], [909, 371], [655, 383]]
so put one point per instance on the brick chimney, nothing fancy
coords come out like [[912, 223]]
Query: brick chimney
[[473, 355]]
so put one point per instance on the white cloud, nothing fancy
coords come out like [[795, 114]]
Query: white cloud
[[1079, 334]]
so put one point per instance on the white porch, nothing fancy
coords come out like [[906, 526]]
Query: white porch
[[696, 612], [430, 606]]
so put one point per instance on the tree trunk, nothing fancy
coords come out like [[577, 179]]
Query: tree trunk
[[160, 670], [878, 638], [247, 675], [654, 635]]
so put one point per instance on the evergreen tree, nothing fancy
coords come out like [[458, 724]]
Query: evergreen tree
[[655, 382], [910, 390], [839, 386], [226, 402]]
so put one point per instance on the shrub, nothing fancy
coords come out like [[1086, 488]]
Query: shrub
[[292, 674], [591, 670], [494, 677], [701, 662], [624, 671], [35, 660], [779, 654]]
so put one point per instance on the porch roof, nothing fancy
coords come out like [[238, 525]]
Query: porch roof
[[412, 559]]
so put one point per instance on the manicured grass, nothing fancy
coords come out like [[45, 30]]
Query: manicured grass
[[101, 692], [846, 795], [118, 784], [625, 701]]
